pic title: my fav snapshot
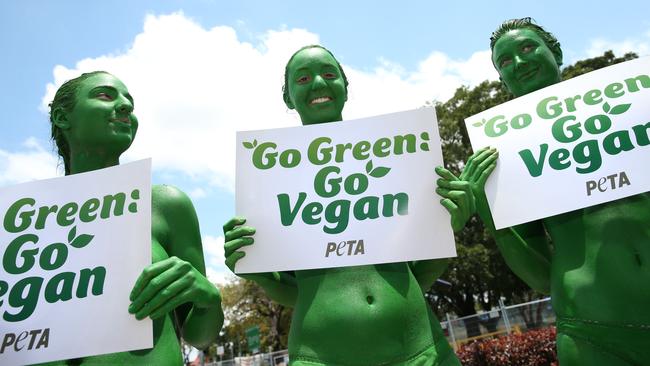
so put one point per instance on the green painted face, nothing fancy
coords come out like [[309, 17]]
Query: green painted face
[[524, 62], [102, 118], [316, 87]]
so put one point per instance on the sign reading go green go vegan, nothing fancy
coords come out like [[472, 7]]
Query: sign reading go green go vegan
[[575, 144], [71, 249], [342, 193]]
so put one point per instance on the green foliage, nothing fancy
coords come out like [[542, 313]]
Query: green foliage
[[246, 304], [591, 64]]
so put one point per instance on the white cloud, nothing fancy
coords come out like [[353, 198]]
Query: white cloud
[[639, 45], [389, 88], [194, 87], [216, 270], [197, 193], [31, 163]]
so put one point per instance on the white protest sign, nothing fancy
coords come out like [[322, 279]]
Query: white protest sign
[[342, 193], [72, 248], [571, 145]]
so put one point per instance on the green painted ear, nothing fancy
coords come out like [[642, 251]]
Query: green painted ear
[[60, 119]]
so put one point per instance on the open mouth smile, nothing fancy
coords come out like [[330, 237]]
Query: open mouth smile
[[320, 100]]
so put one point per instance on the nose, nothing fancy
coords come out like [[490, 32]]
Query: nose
[[318, 83], [519, 61], [124, 105]]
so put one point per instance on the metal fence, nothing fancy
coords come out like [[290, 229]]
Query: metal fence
[[278, 358], [503, 320]]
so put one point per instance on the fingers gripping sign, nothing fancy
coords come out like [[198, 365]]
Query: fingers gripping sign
[[458, 198], [235, 237], [477, 171], [165, 285]]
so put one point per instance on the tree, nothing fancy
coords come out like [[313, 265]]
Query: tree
[[245, 305], [479, 277], [591, 64]]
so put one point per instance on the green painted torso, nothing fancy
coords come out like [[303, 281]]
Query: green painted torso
[[373, 313], [601, 261]]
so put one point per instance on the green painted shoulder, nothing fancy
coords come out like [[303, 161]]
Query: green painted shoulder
[[167, 197]]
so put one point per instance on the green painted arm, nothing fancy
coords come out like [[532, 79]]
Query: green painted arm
[[178, 283], [427, 272]]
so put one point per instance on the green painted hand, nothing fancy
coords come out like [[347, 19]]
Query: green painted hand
[[236, 236], [476, 172], [458, 198], [165, 285]]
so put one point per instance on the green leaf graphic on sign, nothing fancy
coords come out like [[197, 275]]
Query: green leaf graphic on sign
[[479, 123], [248, 145], [82, 240], [369, 167], [379, 172], [72, 233], [606, 107], [254, 142], [620, 109]]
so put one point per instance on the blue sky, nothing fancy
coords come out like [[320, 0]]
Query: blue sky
[[200, 70]]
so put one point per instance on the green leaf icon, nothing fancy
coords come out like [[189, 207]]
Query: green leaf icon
[[379, 172], [248, 145], [369, 167], [72, 233], [620, 109], [254, 142], [82, 240], [606, 107], [479, 123]]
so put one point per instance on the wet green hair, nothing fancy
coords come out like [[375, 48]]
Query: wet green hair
[[65, 100]]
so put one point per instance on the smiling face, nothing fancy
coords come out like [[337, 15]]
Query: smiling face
[[102, 119], [524, 62], [316, 86]]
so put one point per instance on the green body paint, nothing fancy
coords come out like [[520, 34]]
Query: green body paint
[[373, 314], [597, 268], [93, 124]]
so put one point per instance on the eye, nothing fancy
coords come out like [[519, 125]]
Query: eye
[[329, 75], [104, 96], [527, 48], [303, 79], [505, 62]]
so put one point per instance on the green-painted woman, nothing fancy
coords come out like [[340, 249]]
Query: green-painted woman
[[596, 265], [92, 125], [363, 315]]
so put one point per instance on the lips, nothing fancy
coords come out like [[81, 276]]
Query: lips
[[122, 120], [527, 74], [320, 100]]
